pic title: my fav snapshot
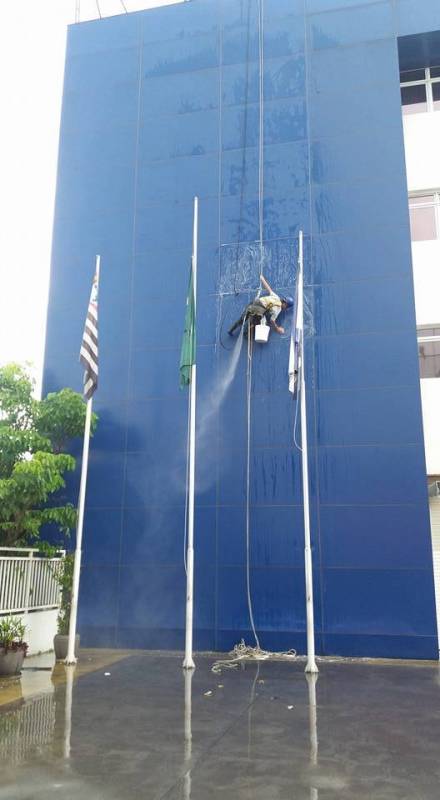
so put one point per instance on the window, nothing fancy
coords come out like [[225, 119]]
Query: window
[[428, 339], [420, 90], [436, 96], [424, 216], [414, 98]]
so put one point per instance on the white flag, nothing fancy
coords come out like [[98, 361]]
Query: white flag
[[294, 352], [293, 370]]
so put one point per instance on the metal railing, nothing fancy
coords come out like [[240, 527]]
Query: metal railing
[[29, 728], [28, 580]]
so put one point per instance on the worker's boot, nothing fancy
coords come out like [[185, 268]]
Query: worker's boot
[[236, 325]]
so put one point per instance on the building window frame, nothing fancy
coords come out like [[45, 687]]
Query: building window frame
[[429, 339], [435, 203], [428, 82]]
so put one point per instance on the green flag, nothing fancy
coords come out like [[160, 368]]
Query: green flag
[[188, 351]]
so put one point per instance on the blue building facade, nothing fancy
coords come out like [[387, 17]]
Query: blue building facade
[[159, 106]]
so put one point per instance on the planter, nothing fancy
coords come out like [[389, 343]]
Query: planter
[[11, 662], [60, 644]]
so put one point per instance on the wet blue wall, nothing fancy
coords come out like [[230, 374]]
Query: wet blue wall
[[160, 105]]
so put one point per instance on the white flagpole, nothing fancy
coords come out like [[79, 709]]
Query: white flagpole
[[313, 728], [71, 658], [188, 662], [188, 735], [68, 710], [311, 663]]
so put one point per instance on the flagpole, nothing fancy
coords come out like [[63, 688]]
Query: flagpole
[[68, 711], [71, 658], [188, 662], [188, 735], [313, 728], [311, 663]]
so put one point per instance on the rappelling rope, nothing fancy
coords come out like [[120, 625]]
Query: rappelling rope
[[260, 289], [248, 484], [243, 652], [78, 9], [243, 143], [261, 130]]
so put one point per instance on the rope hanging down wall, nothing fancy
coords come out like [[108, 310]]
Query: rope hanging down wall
[[78, 9], [242, 652]]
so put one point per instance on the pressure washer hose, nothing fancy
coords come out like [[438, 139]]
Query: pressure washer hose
[[243, 652], [248, 481]]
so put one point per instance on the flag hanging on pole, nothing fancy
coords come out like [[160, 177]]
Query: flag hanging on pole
[[89, 359], [188, 375], [89, 346], [295, 341], [188, 351]]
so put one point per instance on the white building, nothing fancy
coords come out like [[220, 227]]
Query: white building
[[421, 120]]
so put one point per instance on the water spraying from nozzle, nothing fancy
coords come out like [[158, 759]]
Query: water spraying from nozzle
[[210, 403]]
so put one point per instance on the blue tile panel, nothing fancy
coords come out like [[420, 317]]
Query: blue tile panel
[[164, 104]]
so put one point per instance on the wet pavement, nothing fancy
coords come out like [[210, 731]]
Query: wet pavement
[[148, 731]]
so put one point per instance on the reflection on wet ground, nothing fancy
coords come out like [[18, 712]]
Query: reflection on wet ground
[[40, 674], [135, 726]]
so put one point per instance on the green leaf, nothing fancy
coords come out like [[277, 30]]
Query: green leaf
[[60, 417], [34, 435], [16, 401]]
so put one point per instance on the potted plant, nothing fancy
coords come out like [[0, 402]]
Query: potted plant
[[12, 647], [61, 639]]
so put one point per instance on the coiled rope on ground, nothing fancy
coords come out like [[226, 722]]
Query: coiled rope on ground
[[242, 652]]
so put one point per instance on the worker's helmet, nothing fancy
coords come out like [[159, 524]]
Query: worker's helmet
[[287, 300]]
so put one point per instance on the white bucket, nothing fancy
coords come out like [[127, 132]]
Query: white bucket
[[262, 332]]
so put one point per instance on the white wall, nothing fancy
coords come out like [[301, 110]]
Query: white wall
[[41, 627], [430, 388], [426, 268], [434, 508], [422, 155]]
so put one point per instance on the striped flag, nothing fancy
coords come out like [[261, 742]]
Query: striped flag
[[89, 346]]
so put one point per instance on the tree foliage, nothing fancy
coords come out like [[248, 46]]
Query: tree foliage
[[60, 418], [16, 398], [33, 437]]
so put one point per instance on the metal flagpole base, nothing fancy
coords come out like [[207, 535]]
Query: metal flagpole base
[[188, 663], [311, 667]]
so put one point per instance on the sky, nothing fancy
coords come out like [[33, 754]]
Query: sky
[[32, 52]]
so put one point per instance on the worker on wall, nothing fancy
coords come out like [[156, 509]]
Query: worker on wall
[[268, 306]]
